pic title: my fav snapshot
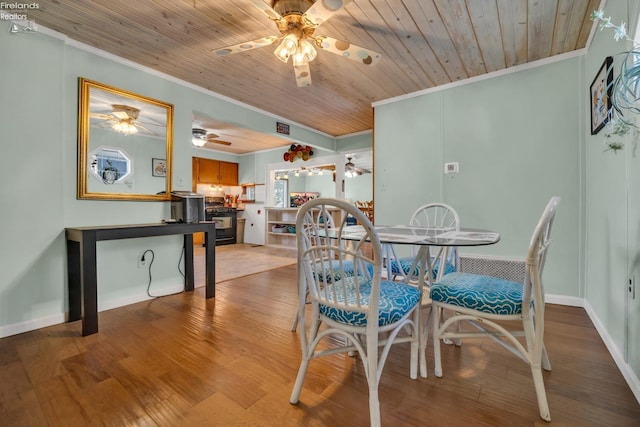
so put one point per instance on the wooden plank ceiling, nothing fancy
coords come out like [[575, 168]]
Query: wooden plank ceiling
[[424, 43]]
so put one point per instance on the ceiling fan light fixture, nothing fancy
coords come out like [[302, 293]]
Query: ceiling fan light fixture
[[350, 170], [307, 50], [287, 47], [198, 142], [198, 137], [125, 126]]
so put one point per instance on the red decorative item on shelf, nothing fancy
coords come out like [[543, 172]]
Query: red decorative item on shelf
[[298, 151]]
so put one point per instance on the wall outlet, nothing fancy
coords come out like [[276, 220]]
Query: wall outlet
[[632, 287], [142, 261]]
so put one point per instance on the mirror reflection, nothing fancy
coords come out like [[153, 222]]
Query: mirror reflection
[[121, 132], [110, 165]]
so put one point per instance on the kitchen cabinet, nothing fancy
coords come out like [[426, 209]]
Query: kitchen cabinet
[[217, 172]]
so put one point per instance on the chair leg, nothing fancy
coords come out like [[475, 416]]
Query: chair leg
[[294, 325], [373, 379], [435, 322], [546, 364], [538, 382], [374, 406], [297, 388], [424, 338]]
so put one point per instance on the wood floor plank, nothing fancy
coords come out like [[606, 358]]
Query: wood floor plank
[[182, 360]]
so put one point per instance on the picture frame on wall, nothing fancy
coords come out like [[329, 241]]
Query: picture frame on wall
[[159, 167], [600, 96]]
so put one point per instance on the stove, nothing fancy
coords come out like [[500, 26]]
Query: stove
[[224, 217]]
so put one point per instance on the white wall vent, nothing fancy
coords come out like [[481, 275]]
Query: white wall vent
[[506, 268]]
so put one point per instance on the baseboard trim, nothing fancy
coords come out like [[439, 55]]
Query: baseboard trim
[[139, 297], [56, 319], [32, 325], [564, 300], [618, 358]]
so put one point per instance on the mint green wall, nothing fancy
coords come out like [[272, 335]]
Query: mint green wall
[[612, 210], [32, 167], [510, 164], [38, 132], [407, 161], [358, 188], [354, 142]]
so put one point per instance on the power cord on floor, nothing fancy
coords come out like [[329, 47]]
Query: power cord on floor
[[153, 257]]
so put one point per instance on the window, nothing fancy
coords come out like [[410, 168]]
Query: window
[[281, 193], [110, 165]]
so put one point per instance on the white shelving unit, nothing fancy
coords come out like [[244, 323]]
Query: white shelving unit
[[285, 217]]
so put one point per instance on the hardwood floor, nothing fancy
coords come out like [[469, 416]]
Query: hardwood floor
[[184, 361]]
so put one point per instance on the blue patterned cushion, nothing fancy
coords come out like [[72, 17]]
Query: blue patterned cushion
[[396, 300], [401, 267], [331, 270], [483, 293]]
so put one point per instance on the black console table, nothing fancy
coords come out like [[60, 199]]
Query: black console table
[[82, 269]]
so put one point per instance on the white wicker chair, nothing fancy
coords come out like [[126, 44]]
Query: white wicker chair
[[332, 266], [484, 301], [370, 314], [429, 215]]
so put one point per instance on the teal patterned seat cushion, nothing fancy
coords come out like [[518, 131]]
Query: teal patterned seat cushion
[[483, 293], [401, 267], [396, 300], [331, 270]]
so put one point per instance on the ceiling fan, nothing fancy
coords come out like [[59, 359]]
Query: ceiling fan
[[123, 119], [351, 170], [199, 137], [297, 21]]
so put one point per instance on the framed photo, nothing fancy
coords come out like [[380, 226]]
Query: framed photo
[[159, 167], [600, 96]]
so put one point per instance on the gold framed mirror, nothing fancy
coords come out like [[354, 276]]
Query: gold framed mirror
[[125, 144]]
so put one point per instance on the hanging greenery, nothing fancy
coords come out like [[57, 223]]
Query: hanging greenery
[[625, 101]]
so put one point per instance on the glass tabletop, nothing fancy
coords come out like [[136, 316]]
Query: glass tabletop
[[431, 236]]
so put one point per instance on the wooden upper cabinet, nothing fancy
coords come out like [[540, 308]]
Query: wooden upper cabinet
[[208, 171], [217, 172], [228, 173]]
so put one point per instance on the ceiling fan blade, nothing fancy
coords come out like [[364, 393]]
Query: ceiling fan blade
[[322, 11], [139, 126], [217, 141], [303, 74], [242, 47], [267, 10], [348, 50], [100, 116]]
